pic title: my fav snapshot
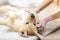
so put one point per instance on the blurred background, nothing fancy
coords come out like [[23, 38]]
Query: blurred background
[[21, 4]]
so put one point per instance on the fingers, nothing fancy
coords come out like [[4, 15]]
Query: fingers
[[41, 26]]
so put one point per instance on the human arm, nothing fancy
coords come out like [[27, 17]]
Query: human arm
[[43, 22], [44, 4]]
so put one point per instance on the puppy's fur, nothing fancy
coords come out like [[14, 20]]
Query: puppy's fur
[[19, 20]]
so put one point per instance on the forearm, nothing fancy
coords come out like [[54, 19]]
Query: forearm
[[56, 15], [44, 4], [53, 17]]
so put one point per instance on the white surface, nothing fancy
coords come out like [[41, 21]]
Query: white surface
[[9, 35], [25, 3], [22, 3]]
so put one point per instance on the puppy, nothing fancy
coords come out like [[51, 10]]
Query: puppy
[[20, 20]]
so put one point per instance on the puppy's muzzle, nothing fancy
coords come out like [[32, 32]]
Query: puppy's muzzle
[[32, 15]]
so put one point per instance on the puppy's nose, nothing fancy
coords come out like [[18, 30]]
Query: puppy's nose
[[32, 15]]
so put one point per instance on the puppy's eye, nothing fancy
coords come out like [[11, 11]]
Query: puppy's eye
[[34, 24], [37, 22], [22, 32], [27, 22]]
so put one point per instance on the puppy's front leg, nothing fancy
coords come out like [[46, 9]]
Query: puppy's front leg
[[11, 20], [40, 36]]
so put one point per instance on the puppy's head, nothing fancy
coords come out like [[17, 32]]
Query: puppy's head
[[32, 17], [30, 21]]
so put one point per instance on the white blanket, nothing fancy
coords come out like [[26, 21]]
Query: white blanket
[[5, 34]]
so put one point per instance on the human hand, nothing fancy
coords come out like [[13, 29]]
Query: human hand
[[42, 24]]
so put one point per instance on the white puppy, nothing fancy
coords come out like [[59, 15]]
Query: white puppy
[[20, 20]]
